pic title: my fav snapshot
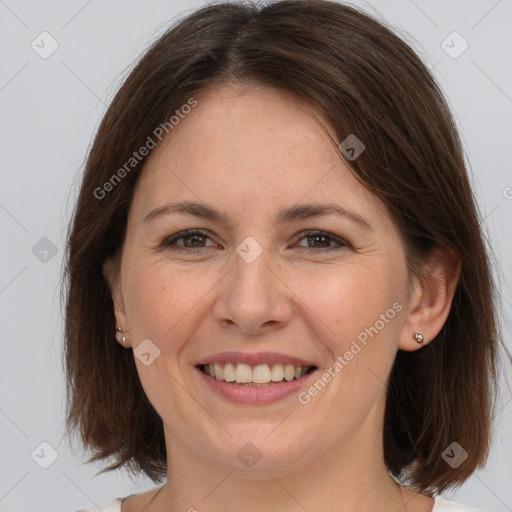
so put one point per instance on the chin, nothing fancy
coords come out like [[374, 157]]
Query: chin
[[257, 449]]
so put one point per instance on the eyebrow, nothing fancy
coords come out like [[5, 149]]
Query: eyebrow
[[298, 212]]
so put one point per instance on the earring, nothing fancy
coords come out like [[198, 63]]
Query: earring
[[418, 337], [123, 338]]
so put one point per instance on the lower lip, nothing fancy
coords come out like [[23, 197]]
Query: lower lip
[[253, 395]]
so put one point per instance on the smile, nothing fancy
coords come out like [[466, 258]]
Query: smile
[[261, 375]]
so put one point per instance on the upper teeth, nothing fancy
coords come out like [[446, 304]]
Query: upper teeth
[[260, 374]]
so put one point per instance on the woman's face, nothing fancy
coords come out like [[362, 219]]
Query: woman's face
[[256, 292]]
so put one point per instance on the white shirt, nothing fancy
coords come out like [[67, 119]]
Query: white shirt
[[440, 505]]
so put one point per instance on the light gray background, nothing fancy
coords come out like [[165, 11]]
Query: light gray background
[[50, 109]]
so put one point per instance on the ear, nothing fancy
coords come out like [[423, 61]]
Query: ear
[[430, 299], [112, 274]]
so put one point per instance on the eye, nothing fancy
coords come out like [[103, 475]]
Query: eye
[[196, 237], [321, 240], [195, 240]]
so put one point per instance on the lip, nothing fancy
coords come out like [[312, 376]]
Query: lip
[[248, 395], [254, 359]]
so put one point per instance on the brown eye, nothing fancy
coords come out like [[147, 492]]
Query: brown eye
[[194, 240], [322, 240]]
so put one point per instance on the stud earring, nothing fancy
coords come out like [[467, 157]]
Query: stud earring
[[418, 337], [123, 337]]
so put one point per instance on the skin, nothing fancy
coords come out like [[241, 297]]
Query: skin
[[250, 152]]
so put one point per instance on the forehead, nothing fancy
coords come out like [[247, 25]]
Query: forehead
[[260, 147], [253, 128]]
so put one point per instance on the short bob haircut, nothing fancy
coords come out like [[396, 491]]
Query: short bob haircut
[[363, 79]]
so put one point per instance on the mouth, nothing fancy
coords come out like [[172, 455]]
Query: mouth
[[258, 376]]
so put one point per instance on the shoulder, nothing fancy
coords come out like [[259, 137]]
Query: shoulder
[[110, 506], [442, 505]]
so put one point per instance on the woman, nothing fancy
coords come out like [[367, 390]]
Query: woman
[[275, 224]]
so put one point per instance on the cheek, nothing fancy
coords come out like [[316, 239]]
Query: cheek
[[355, 317], [162, 306], [163, 302], [349, 302], [358, 318], [341, 303]]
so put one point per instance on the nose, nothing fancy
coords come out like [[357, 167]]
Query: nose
[[253, 297]]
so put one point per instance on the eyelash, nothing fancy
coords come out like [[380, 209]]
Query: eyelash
[[168, 242]]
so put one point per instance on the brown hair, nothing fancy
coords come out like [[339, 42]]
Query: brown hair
[[364, 80]]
